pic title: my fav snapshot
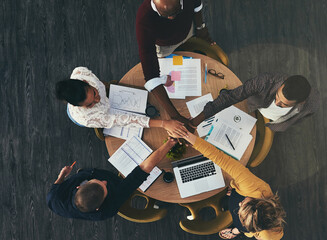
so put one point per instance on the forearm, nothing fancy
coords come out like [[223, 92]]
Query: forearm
[[148, 164], [60, 179], [156, 123], [163, 99], [198, 19], [198, 119]]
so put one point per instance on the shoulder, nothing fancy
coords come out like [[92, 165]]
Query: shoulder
[[145, 14], [80, 71], [313, 101], [273, 78], [145, 9], [275, 234]]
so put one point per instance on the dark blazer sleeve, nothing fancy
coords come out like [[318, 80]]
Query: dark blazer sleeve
[[123, 191]]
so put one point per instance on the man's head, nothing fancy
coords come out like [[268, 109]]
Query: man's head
[[91, 195], [77, 93], [168, 8], [294, 90]]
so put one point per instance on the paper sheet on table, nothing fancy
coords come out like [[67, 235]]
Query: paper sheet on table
[[204, 127], [236, 117], [190, 82], [127, 98], [239, 139], [124, 132], [233, 115], [196, 106], [131, 154]]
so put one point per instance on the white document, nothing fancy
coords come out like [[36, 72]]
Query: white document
[[128, 99], [133, 152], [204, 127], [196, 106], [124, 132], [236, 117], [233, 116], [239, 139], [190, 80]]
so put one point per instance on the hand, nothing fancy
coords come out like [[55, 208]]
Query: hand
[[171, 142], [187, 123], [169, 82], [204, 34], [175, 127], [190, 137], [65, 171]]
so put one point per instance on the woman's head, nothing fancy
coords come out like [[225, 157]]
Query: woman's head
[[257, 214], [77, 93]]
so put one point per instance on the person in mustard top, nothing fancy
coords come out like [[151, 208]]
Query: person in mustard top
[[256, 210]]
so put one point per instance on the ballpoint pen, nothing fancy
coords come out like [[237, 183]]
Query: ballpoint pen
[[205, 74], [73, 164], [229, 141]]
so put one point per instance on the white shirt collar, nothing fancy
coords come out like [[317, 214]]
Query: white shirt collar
[[156, 10]]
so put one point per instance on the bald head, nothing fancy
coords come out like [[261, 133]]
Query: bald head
[[167, 8]]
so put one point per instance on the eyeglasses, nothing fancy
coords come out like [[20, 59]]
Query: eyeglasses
[[214, 73]]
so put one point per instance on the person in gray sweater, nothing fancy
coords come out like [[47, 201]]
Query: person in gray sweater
[[283, 99]]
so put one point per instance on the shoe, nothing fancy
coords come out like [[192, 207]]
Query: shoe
[[227, 234]]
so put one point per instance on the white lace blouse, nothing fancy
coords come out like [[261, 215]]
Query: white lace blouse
[[98, 116]]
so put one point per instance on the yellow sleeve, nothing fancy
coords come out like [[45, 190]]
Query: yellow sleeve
[[246, 182]]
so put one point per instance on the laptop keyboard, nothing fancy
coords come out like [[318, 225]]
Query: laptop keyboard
[[197, 171]]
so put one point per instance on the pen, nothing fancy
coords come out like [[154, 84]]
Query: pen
[[205, 74], [73, 164], [229, 141]]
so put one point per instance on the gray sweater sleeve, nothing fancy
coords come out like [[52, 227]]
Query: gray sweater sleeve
[[227, 98]]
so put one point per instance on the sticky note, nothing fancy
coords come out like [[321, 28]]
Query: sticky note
[[177, 60], [175, 75], [171, 88]]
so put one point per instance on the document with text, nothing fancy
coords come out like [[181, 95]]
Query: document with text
[[238, 118], [196, 106], [188, 82], [126, 100], [124, 132], [229, 138], [131, 154]]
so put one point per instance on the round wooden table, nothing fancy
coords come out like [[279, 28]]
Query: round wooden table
[[154, 137]]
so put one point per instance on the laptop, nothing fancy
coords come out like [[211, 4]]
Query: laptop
[[196, 175]]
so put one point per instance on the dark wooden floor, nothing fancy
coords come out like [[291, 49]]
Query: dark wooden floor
[[42, 41]]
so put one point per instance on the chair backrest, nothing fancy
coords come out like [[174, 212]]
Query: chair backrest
[[263, 142], [146, 215], [71, 118], [202, 227], [201, 46]]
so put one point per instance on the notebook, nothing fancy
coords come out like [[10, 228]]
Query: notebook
[[196, 175], [131, 154]]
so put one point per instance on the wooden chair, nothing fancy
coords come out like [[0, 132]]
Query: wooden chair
[[263, 142], [201, 46], [201, 227], [150, 213]]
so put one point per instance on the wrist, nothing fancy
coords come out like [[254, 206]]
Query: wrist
[[163, 124], [59, 180]]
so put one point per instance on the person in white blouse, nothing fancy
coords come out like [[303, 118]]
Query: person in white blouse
[[89, 106]]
